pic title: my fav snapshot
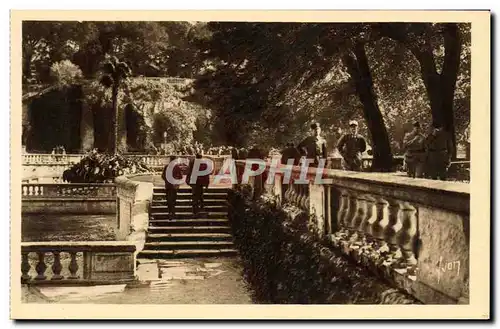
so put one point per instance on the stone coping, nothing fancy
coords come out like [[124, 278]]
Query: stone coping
[[73, 184], [71, 198], [454, 196], [79, 246]]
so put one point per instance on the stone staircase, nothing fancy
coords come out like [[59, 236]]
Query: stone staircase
[[187, 235]]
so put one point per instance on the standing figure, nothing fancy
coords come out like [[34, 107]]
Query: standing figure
[[172, 186], [350, 147], [290, 152], [439, 147], [415, 151], [314, 146], [200, 182]]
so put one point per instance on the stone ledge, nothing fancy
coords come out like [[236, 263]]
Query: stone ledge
[[79, 246], [68, 199]]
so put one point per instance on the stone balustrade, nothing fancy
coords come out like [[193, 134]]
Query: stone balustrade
[[153, 161], [68, 198], [75, 263], [47, 159], [73, 190], [413, 232]]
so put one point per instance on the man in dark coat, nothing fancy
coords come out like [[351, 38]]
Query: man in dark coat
[[290, 152], [414, 151], [314, 146], [171, 187], [200, 183], [351, 146], [439, 147]]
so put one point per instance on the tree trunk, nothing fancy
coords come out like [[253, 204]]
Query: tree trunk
[[451, 65], [86, 128], [114, 134], [441, 87], [431, 80], [359, 70], [26, 66]]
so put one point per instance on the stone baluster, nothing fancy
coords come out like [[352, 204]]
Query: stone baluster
[[293, 194], [370, 216], [300, 195], [351, 212], [30, 190], [381, 219], [25, 190], [57, 267], [343, 208], [360, 213], [41, 267], [407, 235], [393, 224], [305, 201], [25, 267], [37, 190], [288, 191], [73, 267]]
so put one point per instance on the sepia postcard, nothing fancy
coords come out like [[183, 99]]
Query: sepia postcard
[[250, 164]]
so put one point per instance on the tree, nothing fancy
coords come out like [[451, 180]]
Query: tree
[[115, 75], [65, 73], [359, 69], [45, 43], [262, 68], [438, 49]]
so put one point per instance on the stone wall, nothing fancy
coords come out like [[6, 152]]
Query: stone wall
[[69, 206]]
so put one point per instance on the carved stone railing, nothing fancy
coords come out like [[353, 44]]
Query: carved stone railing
[[97, 262], [298, 195], [50, 159], [133, 200], [153, 161], [413, 232], [74, 190], [68, 198]]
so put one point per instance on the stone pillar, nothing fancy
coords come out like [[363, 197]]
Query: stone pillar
[[86, 129], [317, 201]]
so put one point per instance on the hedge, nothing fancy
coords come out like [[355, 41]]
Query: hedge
[[285, 262]]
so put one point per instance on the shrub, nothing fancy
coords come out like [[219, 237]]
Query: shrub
[[65, 73], [285, 262], [103, 168]]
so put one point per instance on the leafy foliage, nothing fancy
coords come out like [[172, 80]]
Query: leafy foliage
[[285, 263], [65, 73], [274, 78], [103, 168]]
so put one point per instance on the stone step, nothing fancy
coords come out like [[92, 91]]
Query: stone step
[[189, 196], [189, 229], [188, 202], [189, 190], [175, 245], [188, 215], [189, 222], [188, 208], [188, 237], [187, 253]]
